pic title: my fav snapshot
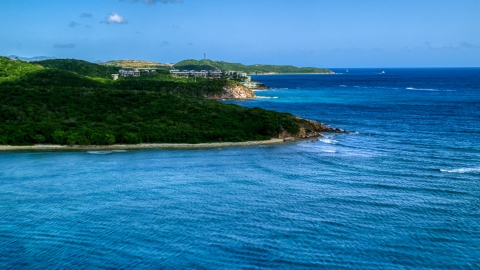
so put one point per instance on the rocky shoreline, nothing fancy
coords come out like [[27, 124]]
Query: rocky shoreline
[[309, 129], [233, 92]]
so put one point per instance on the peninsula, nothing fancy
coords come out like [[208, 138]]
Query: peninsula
[[73, 102]]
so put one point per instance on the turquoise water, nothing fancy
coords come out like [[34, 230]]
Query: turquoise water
[[401, 190]]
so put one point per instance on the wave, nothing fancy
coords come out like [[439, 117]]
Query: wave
[[314, 147], [382, 87], [106, 152], [327, 140], [342, 85], [462, 170], [428, 89], [265, 97], [99, 152]]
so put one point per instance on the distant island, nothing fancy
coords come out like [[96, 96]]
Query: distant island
[[74, 102]]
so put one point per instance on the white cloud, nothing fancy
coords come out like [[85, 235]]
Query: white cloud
[[115, 18]]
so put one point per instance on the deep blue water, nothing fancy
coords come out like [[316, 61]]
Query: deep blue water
[[400, 191]]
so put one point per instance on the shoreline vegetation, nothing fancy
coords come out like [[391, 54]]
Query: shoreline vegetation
[[79, 104]]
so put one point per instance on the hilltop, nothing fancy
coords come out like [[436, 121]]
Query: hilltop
[[42, 104], [252, 69], [137, 64]]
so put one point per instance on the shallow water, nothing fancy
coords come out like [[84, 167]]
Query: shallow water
[[400, 191]]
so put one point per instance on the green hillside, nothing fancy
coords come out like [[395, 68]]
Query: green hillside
[[80, 67], [11, 70], [49, 105], [252, 69]]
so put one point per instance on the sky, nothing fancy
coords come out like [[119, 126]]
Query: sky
[[330, 34]]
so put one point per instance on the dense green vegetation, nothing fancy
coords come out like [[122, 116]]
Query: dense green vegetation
[[80, 67], [51, 105], [253, 69]]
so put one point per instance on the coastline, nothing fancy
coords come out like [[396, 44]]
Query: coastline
[[138, 146], [333, 73]]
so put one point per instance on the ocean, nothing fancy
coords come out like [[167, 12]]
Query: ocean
[[401, 190]]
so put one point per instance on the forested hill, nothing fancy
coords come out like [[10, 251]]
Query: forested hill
[[80, 67], [49, 105], [252, 69]]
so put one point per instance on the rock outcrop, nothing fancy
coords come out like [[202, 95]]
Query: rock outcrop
[[234, 92], [308, 129]]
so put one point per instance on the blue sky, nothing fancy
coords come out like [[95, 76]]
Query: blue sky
[[428, 33]]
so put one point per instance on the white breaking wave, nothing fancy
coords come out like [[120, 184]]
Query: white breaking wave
[[429, 89], [265, 97], [421, 89], [99, 152], [105, 152], [462, 170], [329, 141]]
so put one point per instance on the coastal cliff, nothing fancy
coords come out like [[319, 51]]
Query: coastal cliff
[[233, 92]]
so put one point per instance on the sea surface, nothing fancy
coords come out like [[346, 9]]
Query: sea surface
[[401, 190]]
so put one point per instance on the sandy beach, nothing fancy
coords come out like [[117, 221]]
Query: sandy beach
[[137, 146]]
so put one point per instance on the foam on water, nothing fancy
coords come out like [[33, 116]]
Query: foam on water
[[106, 152], [428, 89], [462, 170], [328, 140]]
